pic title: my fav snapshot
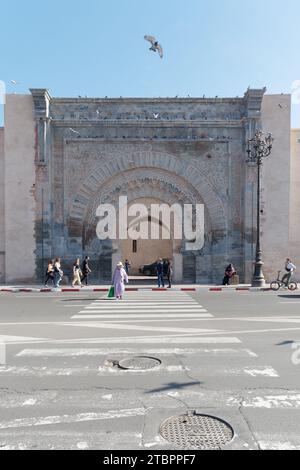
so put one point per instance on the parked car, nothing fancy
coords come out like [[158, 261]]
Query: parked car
[[150, 269]]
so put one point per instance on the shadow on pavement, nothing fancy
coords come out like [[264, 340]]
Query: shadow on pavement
[[289, 296], [285, 343], [81, 300], [174, 386]]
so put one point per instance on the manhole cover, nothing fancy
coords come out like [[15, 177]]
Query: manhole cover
[[194, 431], [139, 363]]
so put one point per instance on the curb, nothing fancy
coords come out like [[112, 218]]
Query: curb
[[137, 289]]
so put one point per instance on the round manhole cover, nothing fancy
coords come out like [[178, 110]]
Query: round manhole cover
[[139, 363], [196, 432]]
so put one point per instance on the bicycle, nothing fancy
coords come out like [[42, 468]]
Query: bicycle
[[278, 284]]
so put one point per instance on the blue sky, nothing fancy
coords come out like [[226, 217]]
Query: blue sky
[[96, 47]]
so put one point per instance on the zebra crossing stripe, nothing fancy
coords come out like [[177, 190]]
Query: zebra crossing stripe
[[95, 352], [67, 419], [142, 316], [116, 326], [145, 309]]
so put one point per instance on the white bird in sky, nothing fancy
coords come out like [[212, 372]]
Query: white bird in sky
[[155, 115], [14, 82], [155, 46]]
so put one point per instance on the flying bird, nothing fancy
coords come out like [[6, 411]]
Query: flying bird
[[155, 115], [155, 46], [14, 82]]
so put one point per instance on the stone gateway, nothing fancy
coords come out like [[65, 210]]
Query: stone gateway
[[60, 158]]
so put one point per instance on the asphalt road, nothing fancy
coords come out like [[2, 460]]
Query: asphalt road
[[232, 355]]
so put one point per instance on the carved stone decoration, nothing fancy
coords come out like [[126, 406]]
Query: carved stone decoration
[[195, 189], [139, 188]]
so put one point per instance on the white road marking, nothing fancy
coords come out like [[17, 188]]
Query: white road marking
[[12, 339], [118, 306], [107, 397], [95, 352], [158, 329], [30, 402], [288, 400], [67, 419], [262, 371], [19, 446], [272, 319], [154, 340], [145, 309], [82, 445], [73, 306], [169, 339], [278, 445], [144, 318], [24, 371]]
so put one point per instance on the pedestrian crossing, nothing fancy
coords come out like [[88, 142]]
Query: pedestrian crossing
[[164, 323], [145, 306], [172, 327]]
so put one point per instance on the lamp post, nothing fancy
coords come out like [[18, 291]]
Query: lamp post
[[258, 148]]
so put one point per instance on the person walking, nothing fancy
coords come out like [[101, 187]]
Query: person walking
[[86, 271], [127, 266], [229, 273], [170, 273], [58, 272], [290, 268], [50, 273], [119, 279], [160, 273], [77, 273]]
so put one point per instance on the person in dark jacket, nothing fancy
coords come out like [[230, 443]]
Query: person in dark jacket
[[58, 272], [229, 273], [50, 273], [86, 271], [127, 266], [160, 273], [170, 273]]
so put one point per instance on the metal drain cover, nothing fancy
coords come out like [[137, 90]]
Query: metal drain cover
[[139, 363], [194, 431]]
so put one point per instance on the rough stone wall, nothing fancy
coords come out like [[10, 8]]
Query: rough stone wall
[[19, 189], [2, 212], [294, 251], [276, 184]]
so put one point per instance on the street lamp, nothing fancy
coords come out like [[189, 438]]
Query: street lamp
[[258, 148]]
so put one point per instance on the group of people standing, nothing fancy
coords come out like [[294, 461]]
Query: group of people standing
[[120, 276], [164, 270], [81, 272]]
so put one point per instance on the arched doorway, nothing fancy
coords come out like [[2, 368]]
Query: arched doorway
[[165, 186], [140, 251]]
